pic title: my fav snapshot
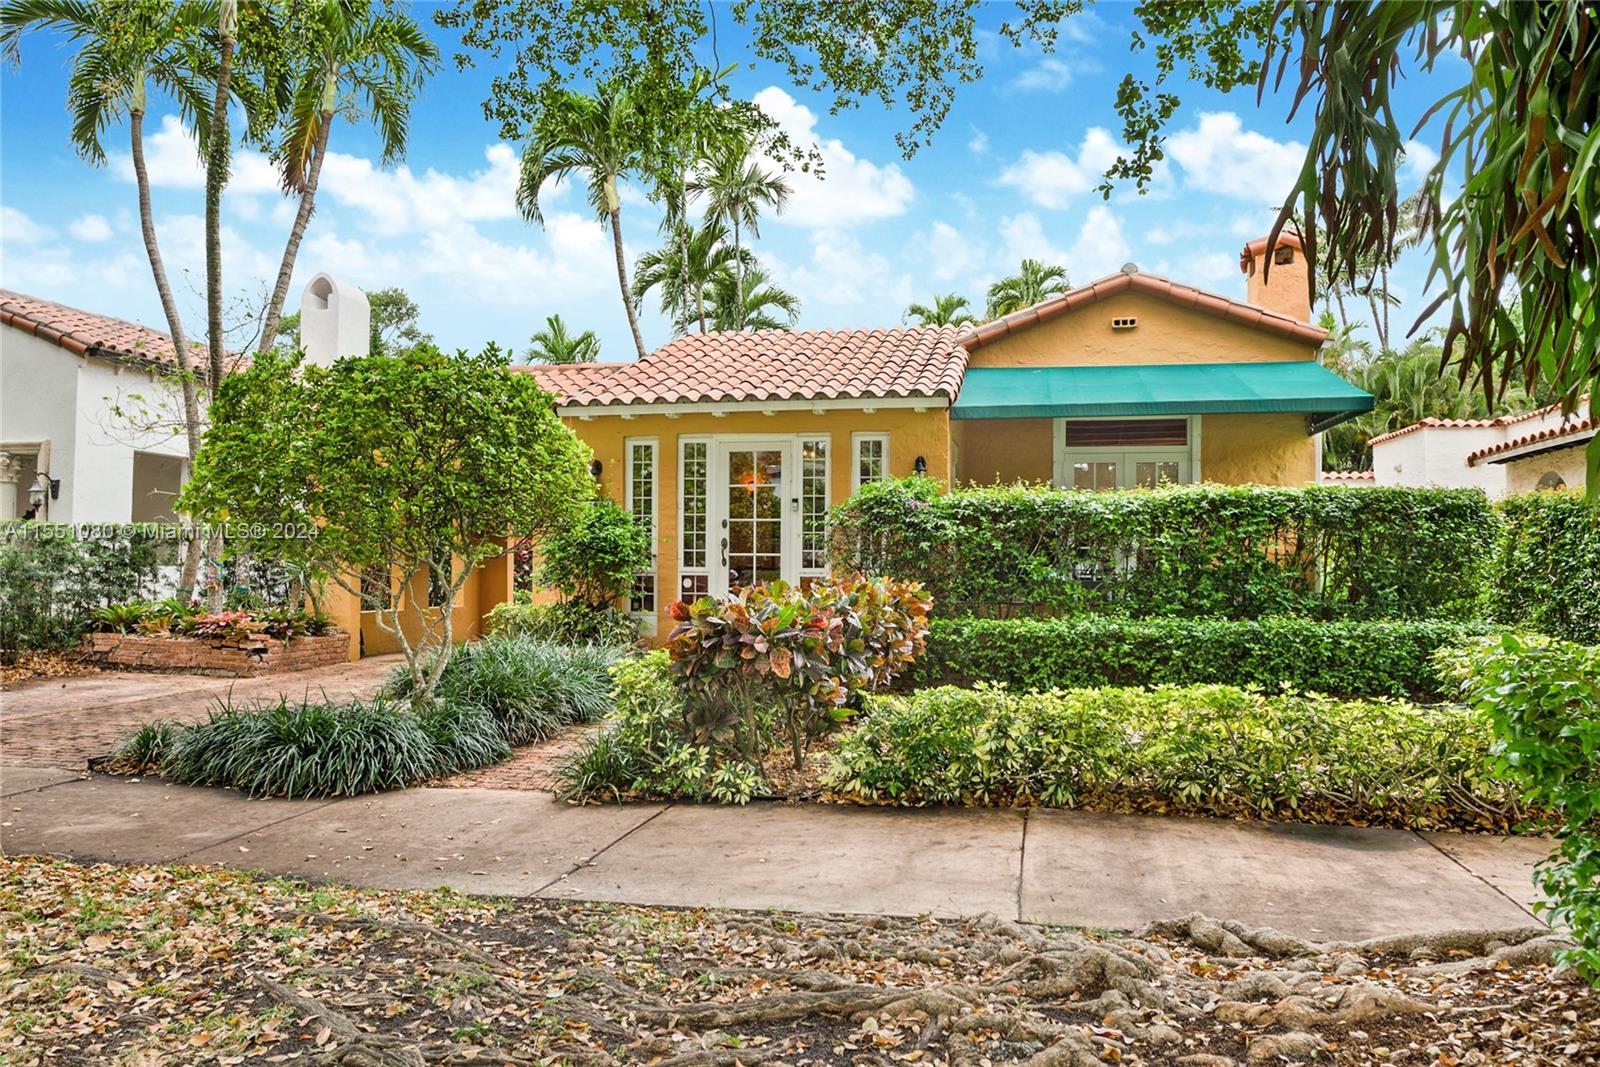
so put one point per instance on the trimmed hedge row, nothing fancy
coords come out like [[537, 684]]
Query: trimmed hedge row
[[1545, 574], [1321, 552], [1215, 750], [1344, 658]]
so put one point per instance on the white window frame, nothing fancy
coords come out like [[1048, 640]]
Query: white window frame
[[826, 440], [647, 619], [704, 570], [1062, 459], [856, 441]]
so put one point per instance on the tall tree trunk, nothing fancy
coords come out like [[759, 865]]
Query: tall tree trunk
[[216, 181], [169, 307], [291, 248], [622, 279], [738, 269]]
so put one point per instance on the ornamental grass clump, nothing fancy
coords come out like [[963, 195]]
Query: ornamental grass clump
[[1209, 749], [308, 749], [464, 736]]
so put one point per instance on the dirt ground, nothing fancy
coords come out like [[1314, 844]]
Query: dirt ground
[[157, 965]]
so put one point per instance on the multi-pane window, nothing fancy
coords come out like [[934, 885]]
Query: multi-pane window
[[1124, 453], [872, 457], [814, 506], [641, 477], [693, 570]]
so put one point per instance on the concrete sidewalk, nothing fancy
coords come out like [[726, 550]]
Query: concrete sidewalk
[[1111, 871]]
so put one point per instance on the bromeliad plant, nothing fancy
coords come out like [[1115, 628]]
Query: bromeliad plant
[[809, 653]]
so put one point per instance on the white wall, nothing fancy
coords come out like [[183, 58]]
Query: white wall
[[1522, 475], [49, 394], [1436, 456]]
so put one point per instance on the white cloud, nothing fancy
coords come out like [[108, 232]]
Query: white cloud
[[1218, 155], [946, 253], [852, 189], [842, 275], [91, 228], [1053, 179], [978, 143], [401, 201], [1050, 75], [1023, 237], [18, 228], [1420, 159], [1100, 247], [171, 160]]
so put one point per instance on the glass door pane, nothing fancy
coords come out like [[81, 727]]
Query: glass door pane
[[1094, 474], [1150, 471], [754, 530]]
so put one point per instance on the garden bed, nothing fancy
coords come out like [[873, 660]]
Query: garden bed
[[251, 656]]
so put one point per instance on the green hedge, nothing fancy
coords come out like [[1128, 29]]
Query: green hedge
[[1320, 552], [1546, 569], [1344, 658], [51, 579], [1214, 750]]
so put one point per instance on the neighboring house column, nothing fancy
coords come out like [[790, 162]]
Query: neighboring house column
[[10, 471]]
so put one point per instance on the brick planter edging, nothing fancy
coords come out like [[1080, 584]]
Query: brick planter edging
[[252, 657]]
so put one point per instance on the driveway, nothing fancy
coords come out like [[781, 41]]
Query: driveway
[[65, 722], [1076, 868]]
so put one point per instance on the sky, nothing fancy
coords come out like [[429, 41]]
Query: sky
[[1012, 173]]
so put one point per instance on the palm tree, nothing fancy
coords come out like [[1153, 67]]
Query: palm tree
[[355, 49], [749, 301], [737, 190], [684, 268], [125, 50], [949, 309], [554, 344], [599, 139], [1033, 282]]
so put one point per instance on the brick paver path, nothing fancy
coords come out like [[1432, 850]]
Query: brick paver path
[[64, 722], [531, 767]]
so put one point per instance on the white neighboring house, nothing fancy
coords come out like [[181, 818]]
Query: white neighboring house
[[1510, 454], [65, 454]]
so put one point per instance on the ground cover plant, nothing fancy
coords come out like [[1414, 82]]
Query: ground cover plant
[[566, 622], [176, 617], [1199, 550], [127, 965], [1214, 750], [1359, 659]]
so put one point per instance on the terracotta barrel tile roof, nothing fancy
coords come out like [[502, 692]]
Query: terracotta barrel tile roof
[[85, 333], [1358, 477], [772, 365], [1131, 280], [1574, 427], [1448, 424]]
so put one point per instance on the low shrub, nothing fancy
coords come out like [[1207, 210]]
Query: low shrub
[[1326, 552], [1213, 749], [51, 579], [644, 752], [593, 559], [1545, 575], [464, 737], [532, 688], [568, 622], [309, 749], [147, 748], [1341, 658], [1543, 698], [180, 618], [811, 651]]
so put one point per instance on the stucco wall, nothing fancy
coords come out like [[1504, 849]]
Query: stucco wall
[[1257, 450], [1522, 475], [489, 585], [1437, 456], [1167, 333], [49, 394], [1004, 450], [911, 434]]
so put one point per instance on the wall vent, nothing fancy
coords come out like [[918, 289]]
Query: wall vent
[[1124, 323]]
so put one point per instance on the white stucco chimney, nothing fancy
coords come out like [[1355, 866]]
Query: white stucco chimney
[[335, 320]]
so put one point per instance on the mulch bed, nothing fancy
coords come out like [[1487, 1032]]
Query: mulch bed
[[30, 665], [157, 965]]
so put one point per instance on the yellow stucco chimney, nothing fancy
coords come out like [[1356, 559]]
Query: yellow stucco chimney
[[1283, 288]]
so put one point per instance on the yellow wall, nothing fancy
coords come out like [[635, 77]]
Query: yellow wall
[[1257, 450], [994, 451], [911, 434], [1167, 333], [489, 585]]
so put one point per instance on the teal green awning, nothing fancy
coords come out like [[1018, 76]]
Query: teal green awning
[[1158, 389]]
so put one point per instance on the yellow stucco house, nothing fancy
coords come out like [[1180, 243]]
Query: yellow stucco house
[[736, 444]]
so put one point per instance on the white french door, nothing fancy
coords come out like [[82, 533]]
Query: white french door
[[753, 510]]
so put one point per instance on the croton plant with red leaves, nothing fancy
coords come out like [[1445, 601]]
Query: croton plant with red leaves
[[803, 653]]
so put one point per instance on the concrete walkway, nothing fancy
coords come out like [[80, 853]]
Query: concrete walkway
[[1110, 871]]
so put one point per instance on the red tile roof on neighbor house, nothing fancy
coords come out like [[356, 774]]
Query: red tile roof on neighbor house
[[1348, 477], [1574, 426], [85, 333], [1130, 279], [1448, 424], [773, 365]]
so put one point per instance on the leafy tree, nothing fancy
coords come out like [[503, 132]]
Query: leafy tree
[[600, 139], [418, 466], [395, 321], [949, 309], [354, 49], [737, 190], [749, 301], [1033, 282], [592, 560], [684, 268], [1516, 128], [554, 344]]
